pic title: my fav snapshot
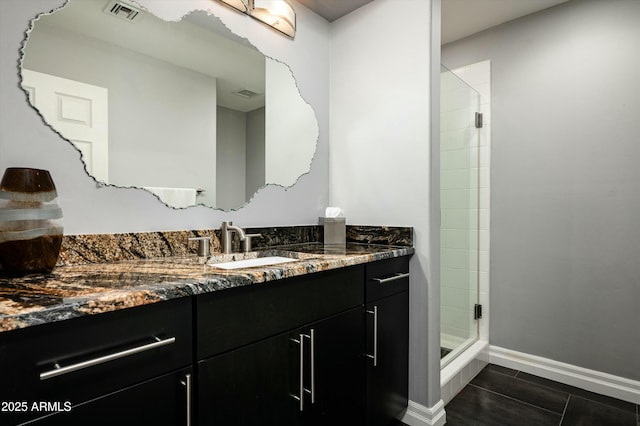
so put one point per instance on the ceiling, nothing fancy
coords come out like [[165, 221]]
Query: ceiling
[[333, 9], [460, 18]]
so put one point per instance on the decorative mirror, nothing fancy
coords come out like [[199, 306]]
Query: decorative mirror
[[186, 110]]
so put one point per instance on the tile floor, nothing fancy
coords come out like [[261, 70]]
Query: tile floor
[[501, 396]]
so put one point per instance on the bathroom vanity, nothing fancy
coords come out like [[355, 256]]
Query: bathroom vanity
[[321, 340]]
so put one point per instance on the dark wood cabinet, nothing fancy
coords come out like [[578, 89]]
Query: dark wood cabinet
[[232, 318], [387, 311], [249, 386], [76, 361], [262, 383], [337, 370], [311, 373], [165, 400], [353, 368], [321, 349]]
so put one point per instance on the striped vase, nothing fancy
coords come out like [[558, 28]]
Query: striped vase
[[30, 222]]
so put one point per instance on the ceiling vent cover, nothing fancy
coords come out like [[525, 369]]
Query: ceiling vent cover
[[123, 10], [246, 93]]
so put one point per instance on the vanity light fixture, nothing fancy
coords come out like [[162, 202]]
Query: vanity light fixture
[[239, 5], [278, 14]]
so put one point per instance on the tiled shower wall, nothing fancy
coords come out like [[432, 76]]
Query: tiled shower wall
[[465, 204]]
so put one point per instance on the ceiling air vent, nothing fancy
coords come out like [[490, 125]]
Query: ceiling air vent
[[123, 10], [246, 93]]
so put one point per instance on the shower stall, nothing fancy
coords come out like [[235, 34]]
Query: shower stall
[[464, 200]]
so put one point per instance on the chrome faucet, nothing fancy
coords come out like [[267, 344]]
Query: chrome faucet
[[227, 229]]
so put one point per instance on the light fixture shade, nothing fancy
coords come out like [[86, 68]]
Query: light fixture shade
[[240, 5], [278, 14]]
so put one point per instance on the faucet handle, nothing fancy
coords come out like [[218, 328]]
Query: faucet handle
[[248, 240], [204, 245]]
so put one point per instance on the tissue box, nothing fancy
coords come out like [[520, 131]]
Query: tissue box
[[335, 230]]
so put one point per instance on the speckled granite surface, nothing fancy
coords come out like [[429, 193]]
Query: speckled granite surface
[[81, 249], [391, 235], [82, 289]]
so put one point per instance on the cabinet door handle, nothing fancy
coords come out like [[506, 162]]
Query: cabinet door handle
[[397, 276], [375, 336], [302, 390], [58, 371], [187, 384], [300, 396], [312, 339]]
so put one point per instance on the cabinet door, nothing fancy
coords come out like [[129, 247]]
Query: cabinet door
[[84, 358], [338, 370], [261, 383], [387, 380], [253, 385], [161, 401]]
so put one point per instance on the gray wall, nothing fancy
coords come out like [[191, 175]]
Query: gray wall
[[565, 195], [90, 208], [255, 145], [231, 158]]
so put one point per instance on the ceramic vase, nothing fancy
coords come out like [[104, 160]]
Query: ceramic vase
[[30, 222]]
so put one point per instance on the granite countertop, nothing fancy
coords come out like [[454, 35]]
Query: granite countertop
[[87, 289]]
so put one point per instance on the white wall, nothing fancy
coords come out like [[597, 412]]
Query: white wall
[[286, 154], [564, 182], [87, 208], [162, 119], [381, 152]]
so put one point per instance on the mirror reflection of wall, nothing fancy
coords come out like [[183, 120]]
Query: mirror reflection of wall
[[175, 118], [239, 175]]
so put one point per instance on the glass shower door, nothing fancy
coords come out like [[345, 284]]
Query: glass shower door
[[459, 229]]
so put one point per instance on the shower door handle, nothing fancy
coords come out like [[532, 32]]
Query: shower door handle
[[374, 357]]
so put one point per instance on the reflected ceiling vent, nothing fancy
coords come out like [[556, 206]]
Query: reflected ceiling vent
[[123, 10], [245, 93]]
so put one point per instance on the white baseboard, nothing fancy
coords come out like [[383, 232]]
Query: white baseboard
[[462, 360], [459, 372], [591, 380], [419, 415]]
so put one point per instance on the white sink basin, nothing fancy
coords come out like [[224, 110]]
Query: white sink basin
[[251, 263]]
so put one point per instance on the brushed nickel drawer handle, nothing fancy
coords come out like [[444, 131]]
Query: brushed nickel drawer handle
[[374, 357], [312, 339], [397, 276], [300, 396], [58, 371], [302, 390], [187, 383]]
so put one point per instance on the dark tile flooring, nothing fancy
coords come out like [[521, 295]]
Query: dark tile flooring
[[501, 396]]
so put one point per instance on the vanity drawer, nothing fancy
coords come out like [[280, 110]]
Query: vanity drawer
[[232, 318], [97, 354], [387, 277]]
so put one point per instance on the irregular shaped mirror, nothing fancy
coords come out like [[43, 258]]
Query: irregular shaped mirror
[[186, 110]]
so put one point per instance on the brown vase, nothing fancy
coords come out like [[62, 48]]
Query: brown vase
[[30, 222]]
